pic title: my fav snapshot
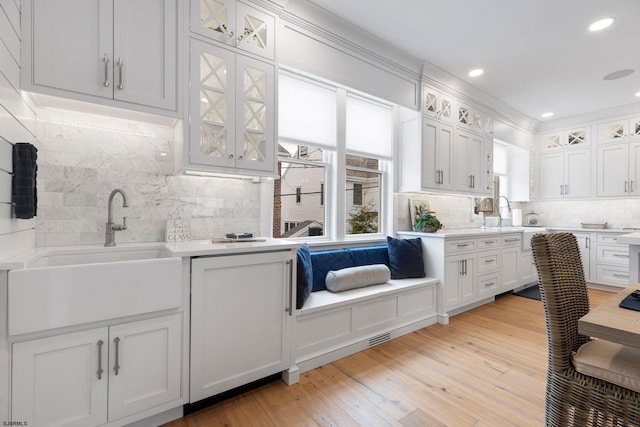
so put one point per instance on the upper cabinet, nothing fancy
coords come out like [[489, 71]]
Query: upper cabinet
[[236, 24], [470, 118], [619, 130], [114, 52], [570, 138], [231, 108], [437, 105]]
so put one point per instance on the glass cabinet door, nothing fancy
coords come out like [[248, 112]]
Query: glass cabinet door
[[256, 31], [214, 19], [212, 131], [255, 119]]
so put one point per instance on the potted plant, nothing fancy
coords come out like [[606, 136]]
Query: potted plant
[[425, 221]]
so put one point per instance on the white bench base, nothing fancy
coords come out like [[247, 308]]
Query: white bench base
[[331, 326]]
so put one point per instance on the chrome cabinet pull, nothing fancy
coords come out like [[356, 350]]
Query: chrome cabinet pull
[[489, 284], [626, 187], [100, 370], [106, 71], [621, 255], [566, 189], [561, 192], [470, 181], [120, 64], [473, 181], [586, 242], [621, 275], [461, 271], [290, 308], [462, 245], [230, 156], [116, 366], [489, 261], [512, 240]]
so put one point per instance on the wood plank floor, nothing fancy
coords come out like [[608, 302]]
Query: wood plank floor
[[486, 368]]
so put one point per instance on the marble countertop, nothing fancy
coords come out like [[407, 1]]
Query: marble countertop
[[189, 248], [474, 232]]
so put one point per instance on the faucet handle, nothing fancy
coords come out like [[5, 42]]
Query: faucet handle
[[124, 223], [120, 227]]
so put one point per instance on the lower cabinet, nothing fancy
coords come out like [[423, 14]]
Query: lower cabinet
[[241, 314], [460, 272], [97, 376]]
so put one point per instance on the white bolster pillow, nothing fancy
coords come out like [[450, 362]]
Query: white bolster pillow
[[357, 277]]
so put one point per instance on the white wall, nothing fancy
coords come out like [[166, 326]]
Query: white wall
[[17, 121]]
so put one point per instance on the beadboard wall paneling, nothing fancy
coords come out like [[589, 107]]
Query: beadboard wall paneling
[[17, 124]]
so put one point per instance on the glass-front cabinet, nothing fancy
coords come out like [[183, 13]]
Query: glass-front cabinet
[[571, 138], [231, 110], [235, 24], [437, 104], [619, 130]]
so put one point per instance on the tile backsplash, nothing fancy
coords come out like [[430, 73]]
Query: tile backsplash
[[83, 157]]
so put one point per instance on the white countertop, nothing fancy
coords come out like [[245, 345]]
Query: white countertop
[[630, 239], [180, 249], [474, 232]]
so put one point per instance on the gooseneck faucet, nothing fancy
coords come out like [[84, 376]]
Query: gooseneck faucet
[[499, 214], [110, 232]]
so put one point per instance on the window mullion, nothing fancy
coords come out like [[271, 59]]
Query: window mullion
[[340, 166]]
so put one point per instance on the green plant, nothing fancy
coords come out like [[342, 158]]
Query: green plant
[[364, 220], [426, 220]]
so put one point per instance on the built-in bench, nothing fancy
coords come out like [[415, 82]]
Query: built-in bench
[[333, 325]]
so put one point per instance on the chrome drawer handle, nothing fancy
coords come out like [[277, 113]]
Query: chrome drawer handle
[[463, 245], [512, 240], [489, 284], [106, 71], [100, 370], [116, 366], [120, 64], [621, 255], [621, 275]]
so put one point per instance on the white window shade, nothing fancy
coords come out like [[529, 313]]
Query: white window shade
[[369, 127], [306, 112], [499, 159]]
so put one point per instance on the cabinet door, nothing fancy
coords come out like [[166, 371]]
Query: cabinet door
[[527, 268], [613, 170], [144, 52], [211, 105], [551, 176], [437, 105], [148, 354], [634, 169], [577, 174], [215, 19], [615, 131], [256, 31], [239, 320], [437, 140], [255, 122], [72, 45], [510, 277], [487, 167], [61, 380]]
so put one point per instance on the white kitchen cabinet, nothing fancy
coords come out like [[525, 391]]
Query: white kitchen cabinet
[[231, 109], [236, 24], [470, 118], [437, 105], [511, 245], [565, 174], [473, 163], [527, 270], [620, 130], [460, 273], [618, 169], [97, 50], [97, 376], [566, 139], [612, 260], [241, 316], [437, 155], [584, 244]]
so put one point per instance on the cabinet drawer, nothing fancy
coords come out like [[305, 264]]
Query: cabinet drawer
[[489, 261], [608, 238], [612, 274], [488, 242], [488, 284], [511, 240], [613, 254], [461, 245]]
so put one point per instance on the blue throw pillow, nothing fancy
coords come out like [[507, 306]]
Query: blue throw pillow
[[304, 277], [405, 258]]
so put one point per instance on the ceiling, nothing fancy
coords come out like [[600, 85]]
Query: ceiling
[[538, 55]]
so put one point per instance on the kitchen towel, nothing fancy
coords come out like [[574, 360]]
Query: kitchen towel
[[630, 302], [23, 183]]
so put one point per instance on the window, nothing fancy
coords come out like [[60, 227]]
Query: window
[[309, 148], [357, 193]]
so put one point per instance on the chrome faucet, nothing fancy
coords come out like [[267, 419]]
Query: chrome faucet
[[110, 232], [498, 204]]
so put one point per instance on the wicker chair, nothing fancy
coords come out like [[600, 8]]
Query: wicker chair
[[572, 398]]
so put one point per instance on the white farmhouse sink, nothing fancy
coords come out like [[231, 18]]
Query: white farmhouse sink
[[96, 256], [61, 288]]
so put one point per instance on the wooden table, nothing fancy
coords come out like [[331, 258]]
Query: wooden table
[[612, 323]]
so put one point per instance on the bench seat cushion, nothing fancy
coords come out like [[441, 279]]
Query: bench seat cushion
[[357, 277]]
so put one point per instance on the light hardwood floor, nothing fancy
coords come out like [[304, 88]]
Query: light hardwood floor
[[486, 368]]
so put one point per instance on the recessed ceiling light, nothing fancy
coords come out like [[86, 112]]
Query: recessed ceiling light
[[601, 24], [546, 115], [638, 94], [475, 73], [618, 74]]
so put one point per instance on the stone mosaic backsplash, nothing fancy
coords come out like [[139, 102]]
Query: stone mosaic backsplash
[[83, 157]]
